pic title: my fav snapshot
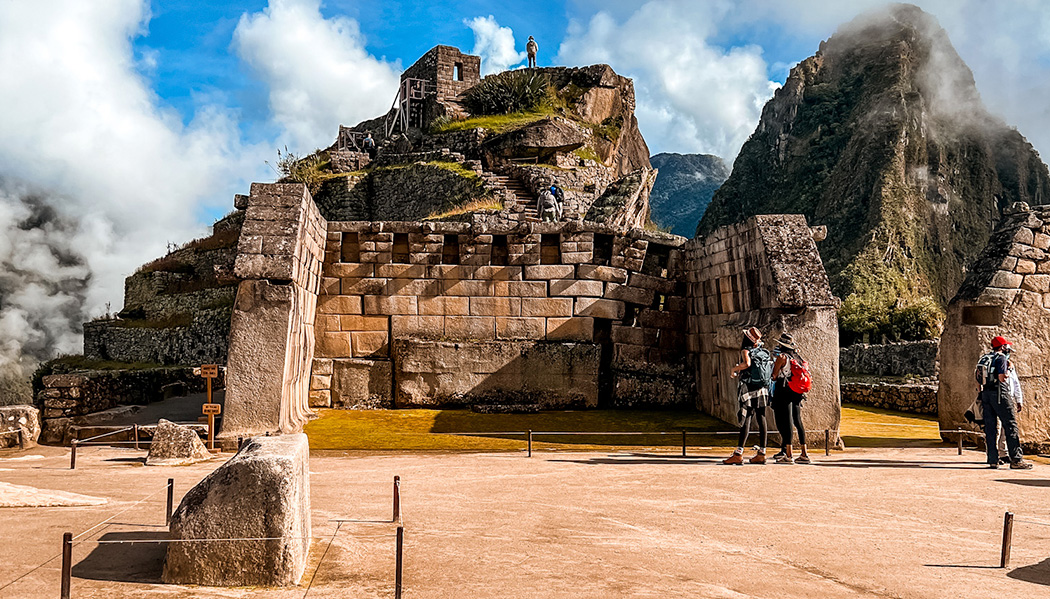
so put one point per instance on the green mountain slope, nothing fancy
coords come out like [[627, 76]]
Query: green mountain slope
[[882, 136], [683, 189]]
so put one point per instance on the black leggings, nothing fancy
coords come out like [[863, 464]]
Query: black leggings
[[789, 417], [745, 428]]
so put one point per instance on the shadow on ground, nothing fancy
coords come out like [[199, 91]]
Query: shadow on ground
[[1036, 482], [132, 562], [1036, 573]]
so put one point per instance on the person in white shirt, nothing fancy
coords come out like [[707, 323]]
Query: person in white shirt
[[1018, 397]]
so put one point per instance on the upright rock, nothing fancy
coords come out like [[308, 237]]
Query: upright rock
[[882, 136], [14, 418], [175, 445], [263, 492]]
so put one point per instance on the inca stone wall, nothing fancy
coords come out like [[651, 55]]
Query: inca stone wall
[[271, 334], [445, 313], [917, 358], [1007, 292], [764, 272], [915, 398], [439, 67]]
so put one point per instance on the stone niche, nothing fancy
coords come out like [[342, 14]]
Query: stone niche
[[263, 492]]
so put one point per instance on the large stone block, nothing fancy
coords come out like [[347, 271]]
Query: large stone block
[[520, 328], [175, 445], [546, 306], [362, 384], [263, 492], [571, 287], [19, 417], [599, 308], [580, 328]]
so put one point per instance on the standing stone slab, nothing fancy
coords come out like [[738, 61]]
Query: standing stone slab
[[262, 492], [175, 445]]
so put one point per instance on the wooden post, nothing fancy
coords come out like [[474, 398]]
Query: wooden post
[[210, 371], [211, 427], [67, 562], [73, 455], [827, 442], [171, 501], [400, 561], [397, 499], [21, 438], [683, 443], [135, 434], [530, 443], [960, 442], [1008, 539]]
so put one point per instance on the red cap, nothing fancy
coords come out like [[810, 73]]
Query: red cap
[[999, 342]]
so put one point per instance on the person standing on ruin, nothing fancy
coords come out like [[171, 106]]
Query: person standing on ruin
[[548, 206], [755, 370], [532, 48], [559, 197], [369, 145], [993, 378]]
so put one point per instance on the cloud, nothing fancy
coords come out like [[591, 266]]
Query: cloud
[[692, 95], [319, 73], [494, 44], [85, 143]]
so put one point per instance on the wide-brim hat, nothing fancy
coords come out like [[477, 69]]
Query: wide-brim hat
[[786, 341], [753, 334]]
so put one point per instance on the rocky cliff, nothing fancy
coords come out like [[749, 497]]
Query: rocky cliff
[[882, 136], [684, 188]]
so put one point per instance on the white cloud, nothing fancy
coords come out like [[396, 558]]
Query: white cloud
[[693, 96], [494, 44], [319, 73], [82, 133]]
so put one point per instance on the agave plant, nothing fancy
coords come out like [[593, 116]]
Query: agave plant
[[511, 91]]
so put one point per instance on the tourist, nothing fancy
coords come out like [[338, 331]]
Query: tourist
[[993, 377], [369, 145], [754, 370], [1018, 399], [548, 206], [532, 48], [559, 197], [787, 402]]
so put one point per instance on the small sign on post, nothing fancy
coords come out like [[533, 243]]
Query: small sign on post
[[210, 371]]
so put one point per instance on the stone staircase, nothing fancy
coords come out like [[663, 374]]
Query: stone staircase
[[518, 202]]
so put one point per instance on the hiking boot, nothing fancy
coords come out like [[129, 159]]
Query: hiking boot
[[804, 459], [760, 458], [1020, 465], [783, 459], [994, 466], [736, 459], [779, 454]]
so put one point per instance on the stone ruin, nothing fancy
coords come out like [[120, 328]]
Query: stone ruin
[[571, 314], [1006, 292]]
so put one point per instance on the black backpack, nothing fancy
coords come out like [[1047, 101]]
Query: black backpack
[[761, 369], [983, 372], [559, 195]]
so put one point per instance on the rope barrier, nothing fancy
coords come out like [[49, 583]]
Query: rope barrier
[[1032, 522], [123, 430], [314, 576], [164, 488], [16, 432]]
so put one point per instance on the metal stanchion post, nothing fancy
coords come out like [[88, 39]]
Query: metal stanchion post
[[530, 444], [1008, 539], [171, 501], [400, 561], [683, 443], [73, 455], [67, 562], [827, 442], [397, 499]]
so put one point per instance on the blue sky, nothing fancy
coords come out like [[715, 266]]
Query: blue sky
[[138, 120]]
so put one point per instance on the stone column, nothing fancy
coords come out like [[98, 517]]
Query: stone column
[[271, 334]]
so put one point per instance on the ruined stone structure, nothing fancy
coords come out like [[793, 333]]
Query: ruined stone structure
[[447, 70], [559, 314], [1007, 293], [764, 272]]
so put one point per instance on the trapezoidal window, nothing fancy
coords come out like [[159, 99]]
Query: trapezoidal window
[[603, 249], [350, 248], [657, 258], [457, 71], [982, 316], [499, 250], [400, 251], [550, 249], [450, 251]]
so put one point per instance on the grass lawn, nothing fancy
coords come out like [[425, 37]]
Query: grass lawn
[[423, 430]]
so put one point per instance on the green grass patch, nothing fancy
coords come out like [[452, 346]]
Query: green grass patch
[[454, 167], [587, 153], [475, 206], [863, 426], [496, 123], [425, 430]]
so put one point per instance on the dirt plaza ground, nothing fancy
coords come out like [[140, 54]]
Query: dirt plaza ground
[[875, 522]]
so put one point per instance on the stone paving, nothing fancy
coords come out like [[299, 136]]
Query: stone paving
[[912, 523]]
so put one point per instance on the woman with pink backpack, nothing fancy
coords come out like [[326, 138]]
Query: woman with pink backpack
[[791, 382]]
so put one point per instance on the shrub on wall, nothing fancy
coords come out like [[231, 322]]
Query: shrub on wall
[[511, 91]]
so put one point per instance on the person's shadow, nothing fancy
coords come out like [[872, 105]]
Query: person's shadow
[[1036, 573]]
